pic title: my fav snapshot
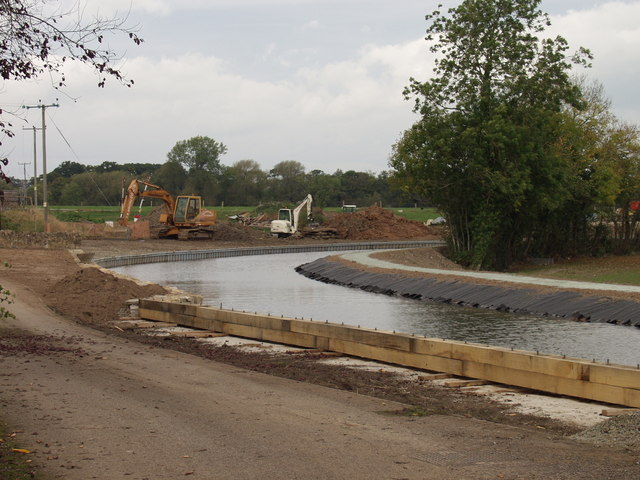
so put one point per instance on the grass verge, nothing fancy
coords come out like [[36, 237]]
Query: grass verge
[[15, 462], [622, 269]]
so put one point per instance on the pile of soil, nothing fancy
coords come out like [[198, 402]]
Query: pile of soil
[[237, 232], [154, 216], [376, 223], [93, 296], [426, 257]]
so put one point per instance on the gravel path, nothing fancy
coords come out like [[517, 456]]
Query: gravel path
[[367, 259]]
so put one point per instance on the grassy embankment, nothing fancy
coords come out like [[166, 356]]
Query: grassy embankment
[[624, 269]]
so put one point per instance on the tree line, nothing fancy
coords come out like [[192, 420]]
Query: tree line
[[523, 157], [193, 166]]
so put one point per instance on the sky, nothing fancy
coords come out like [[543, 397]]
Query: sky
[[315, 81]]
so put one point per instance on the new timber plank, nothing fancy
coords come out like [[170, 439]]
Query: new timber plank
[[388, 355], [464, 383], [434, 376], [156, 315], [616, 412], [621, 376], [350, 334], [197, 334], [549, 373], [548, 383]]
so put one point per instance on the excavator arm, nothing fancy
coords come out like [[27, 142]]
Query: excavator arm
[[150, 190], [296, 212]]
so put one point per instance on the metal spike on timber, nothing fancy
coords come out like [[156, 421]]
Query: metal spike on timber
[[615, 384]]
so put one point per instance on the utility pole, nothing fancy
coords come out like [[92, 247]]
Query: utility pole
[[35, 166], [24, 169], [42, 108]]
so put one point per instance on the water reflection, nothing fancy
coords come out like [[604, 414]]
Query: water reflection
[[269, 284]]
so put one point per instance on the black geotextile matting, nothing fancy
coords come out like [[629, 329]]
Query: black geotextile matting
[[568, 304]]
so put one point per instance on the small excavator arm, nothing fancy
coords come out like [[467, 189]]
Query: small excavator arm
[[296, 212]]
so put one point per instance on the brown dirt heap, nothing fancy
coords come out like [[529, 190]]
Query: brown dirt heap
[[92, 296], [238, 232], [376, 223]]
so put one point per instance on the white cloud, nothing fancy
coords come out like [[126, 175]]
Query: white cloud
[[326, 114], [166, 7], [311, 25], [317, 117], [611, 31]]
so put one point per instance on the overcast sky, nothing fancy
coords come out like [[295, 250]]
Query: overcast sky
[[316, 81]]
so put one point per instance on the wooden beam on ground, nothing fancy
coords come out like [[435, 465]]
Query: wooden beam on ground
[[464, 383], [143, 324], [434, 376], [615, 412], [198, 334], [612, 384], [131, 325], [326, 353]]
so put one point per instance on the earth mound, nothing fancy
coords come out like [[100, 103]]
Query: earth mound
[[92, 296], [376, 223], [238, 232]]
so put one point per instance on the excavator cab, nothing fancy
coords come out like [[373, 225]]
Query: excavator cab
[[187, 209], [288, 220], [284, 214]]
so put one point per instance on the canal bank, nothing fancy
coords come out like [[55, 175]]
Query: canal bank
[[580, 301]]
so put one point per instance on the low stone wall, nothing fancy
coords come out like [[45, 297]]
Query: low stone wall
[[11, 239]]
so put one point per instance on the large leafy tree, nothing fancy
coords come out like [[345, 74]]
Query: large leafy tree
[[198, 154], [484, 151], [67, 169], [324, 188], [171, 176], [287, 181], [359, 188], [605, 155], [244, 183], [200, 158], [38, 37]]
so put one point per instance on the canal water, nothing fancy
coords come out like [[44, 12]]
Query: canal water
[[269, 284]]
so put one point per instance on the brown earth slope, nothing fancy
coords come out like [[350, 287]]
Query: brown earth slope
[[144, 389]]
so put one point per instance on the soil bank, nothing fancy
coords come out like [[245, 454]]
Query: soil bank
[[91, 404]]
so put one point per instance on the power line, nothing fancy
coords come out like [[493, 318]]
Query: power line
[[78, 159], [42, 108], [35, 165], [24, 187]]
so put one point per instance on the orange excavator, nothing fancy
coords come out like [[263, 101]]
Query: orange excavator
[[183, 218]]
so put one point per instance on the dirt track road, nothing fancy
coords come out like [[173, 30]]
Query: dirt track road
[[122, 410]]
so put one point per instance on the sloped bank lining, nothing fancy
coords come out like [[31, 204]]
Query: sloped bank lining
[[190, 255], [566, 304]]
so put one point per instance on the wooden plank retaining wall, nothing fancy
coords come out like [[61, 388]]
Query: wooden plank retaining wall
[[614, 384]]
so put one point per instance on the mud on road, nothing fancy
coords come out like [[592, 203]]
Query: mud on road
[[97, 403]]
